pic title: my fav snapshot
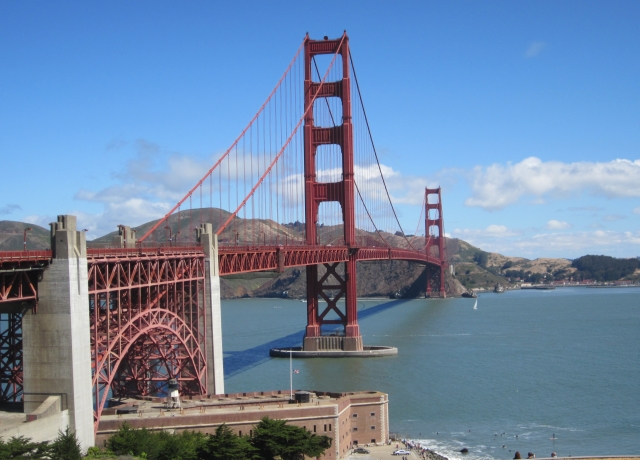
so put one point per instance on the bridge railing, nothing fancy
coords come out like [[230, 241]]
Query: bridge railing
[[112, 252], [19, 256]]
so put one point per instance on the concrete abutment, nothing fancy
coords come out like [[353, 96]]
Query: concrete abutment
[[56, 338]]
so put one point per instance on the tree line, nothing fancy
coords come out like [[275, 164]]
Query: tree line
[[605, 268], [598, 268], [269, 440]]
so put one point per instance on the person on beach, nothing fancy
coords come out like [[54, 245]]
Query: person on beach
[[517, 455], [553, 454], [531, 455]]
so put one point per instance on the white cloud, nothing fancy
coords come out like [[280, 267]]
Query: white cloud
[[534, 49], [497, 186], [613, 217], [150, 184], [492, 231], [568, 245], [558, 225], [579, 242]]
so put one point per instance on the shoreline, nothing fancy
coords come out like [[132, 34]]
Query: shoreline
[[385, 452]]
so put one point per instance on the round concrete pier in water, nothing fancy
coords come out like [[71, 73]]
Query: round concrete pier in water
[[367, 352]]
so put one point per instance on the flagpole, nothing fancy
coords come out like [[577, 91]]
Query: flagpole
[[290, 374]]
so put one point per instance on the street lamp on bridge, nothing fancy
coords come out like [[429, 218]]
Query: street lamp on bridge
[[24, 238], [169, 228]]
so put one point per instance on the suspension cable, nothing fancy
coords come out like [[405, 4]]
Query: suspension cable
[[376, 153]]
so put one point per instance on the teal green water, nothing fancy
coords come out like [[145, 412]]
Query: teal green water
[[525, 363]]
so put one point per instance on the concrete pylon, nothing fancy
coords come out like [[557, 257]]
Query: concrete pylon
[[215, 367], [126, 237], [56, 338]]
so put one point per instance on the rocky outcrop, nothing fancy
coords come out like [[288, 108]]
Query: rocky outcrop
[[432, 455]]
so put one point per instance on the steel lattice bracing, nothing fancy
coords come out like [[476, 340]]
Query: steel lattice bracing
[[147, 323], [10, 357], [19, 274]]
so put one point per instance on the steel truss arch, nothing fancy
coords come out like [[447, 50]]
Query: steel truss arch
[[156, 319]]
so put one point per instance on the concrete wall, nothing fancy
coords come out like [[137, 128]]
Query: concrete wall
[[43, 429], [345, 418], [56, 340]]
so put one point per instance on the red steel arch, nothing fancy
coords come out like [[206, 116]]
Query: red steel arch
[[147, 310], [164, 324]]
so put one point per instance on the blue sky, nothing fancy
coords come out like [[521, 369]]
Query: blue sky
[[527, 113]]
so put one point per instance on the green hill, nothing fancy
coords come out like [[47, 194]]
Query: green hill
[[12, 236]]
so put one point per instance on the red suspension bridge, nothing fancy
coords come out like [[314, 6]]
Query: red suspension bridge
[[302, 185]]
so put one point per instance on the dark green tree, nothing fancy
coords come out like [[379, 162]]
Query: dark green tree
[[21, 447], [274, 438], [181, 446], [481, 258], [604, 268], [66, 446], [130, 441], [225, 445], [156, 445]]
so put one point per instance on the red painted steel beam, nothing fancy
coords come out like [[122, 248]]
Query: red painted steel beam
[[43, 255]]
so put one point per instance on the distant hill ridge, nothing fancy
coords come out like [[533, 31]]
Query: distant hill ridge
[[473, 267], [12, 236]]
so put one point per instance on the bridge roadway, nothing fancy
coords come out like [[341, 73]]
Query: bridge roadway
[[17, 286]]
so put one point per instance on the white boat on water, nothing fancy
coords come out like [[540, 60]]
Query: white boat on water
[[475, 305]]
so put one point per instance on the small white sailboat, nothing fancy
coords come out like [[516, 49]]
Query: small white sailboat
[[475, 305]]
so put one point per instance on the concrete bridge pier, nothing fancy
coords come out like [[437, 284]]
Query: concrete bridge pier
[[56, 338], [215, 368]]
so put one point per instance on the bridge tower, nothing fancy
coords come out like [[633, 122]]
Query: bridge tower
[[331, 286], [435, 247]]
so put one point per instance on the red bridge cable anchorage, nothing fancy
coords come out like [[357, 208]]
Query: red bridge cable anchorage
[[376, 153], [333, 121], [275, 159], [161, 221]]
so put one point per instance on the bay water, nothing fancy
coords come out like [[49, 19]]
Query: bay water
[[529, 371]]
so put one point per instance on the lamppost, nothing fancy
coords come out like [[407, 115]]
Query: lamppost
[[175, 238], [169, 228], [24, 238]]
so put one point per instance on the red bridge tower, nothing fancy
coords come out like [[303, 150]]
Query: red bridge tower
[[331, 286], [434, 234]]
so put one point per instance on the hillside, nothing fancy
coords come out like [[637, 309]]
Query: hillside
[[473, 268], [12, 236]]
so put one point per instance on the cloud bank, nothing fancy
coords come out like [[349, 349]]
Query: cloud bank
[[497, 186], [557, 225]]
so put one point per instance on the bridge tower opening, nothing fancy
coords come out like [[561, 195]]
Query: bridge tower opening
[[331, 286]]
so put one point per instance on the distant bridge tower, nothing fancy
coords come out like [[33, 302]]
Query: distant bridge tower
[[435, 247], [331, 286]]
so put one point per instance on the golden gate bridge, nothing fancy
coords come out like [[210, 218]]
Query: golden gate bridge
[[301, 186]]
